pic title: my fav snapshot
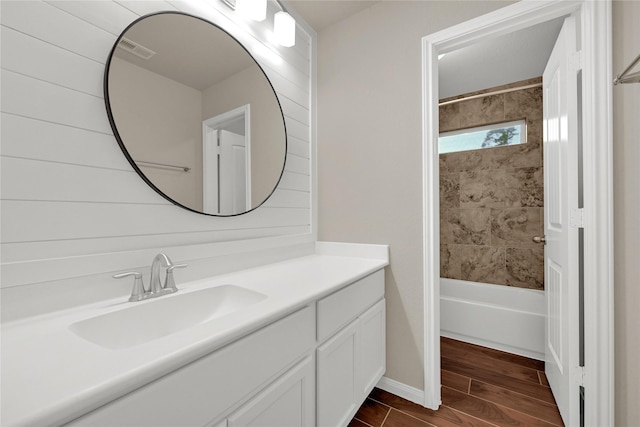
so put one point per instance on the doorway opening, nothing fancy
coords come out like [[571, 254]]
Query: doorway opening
[[593, 59], [492, 196], [491, 209], [226, 154]]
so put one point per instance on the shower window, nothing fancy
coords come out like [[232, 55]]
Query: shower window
[[489, 136]]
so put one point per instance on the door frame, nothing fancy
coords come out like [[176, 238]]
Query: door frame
[[209, 174], [595, 58]]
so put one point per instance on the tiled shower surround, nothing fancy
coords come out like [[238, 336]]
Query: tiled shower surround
[[491, 200]]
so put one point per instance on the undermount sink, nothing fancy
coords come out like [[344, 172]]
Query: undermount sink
[[149, 320]]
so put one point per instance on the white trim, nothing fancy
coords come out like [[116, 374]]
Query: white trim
[[598, 212], [597, 118], [431, 225], [313, 131], [209, 169], [500, 317], [412, 394], [313, 111]]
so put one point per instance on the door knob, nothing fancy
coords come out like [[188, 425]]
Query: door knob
[[539, 239]]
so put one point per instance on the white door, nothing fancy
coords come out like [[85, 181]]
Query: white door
[[233, 173], [225, 187], [560, 200], [226, 153]]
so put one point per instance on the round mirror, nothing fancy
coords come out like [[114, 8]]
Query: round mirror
[[195, 114]]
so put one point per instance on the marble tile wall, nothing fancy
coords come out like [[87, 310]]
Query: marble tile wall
[[491, 200]]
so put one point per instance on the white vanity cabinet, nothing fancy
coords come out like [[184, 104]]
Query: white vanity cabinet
[[202, 392], [314, 367], [352, 360]]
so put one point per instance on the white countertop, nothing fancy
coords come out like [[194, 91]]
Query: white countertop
[[51, 376]]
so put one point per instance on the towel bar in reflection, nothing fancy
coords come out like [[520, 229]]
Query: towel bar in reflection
[[629, 78], [163, 165]]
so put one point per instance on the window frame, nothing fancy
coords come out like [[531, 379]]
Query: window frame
[[522, 122]]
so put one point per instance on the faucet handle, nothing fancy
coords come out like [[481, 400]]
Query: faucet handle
[[137, 293], [170, 282]]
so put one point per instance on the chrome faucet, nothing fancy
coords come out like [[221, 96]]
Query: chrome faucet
[[156, 288], [155, 285]]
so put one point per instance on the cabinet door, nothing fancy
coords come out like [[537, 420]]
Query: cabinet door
[[372, 330], [338, 388], [288, 402]]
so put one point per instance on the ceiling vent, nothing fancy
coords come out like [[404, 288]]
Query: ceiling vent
[[135, 49]]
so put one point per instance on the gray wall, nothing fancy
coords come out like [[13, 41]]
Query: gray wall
[[626, 196], [369, 155], [172, 134], [370, 150], [267, 131]]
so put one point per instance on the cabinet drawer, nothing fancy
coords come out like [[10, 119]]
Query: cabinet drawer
[[341, 307], [203, 390]]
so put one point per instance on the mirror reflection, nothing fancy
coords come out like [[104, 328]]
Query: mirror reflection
[[195, 114]]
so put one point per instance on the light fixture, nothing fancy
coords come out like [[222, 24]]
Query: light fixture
[[284, 27], [252, 9]]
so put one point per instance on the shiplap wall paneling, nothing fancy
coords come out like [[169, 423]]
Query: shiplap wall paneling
[[54, 220], [22, 137], [27, 256], [67, 189], [55, 26], [73, 183], [49, 62], [295, 111], [294, 181], [220, 258]]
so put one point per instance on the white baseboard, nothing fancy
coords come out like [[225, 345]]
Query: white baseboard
[[400, 389], [500, 317]]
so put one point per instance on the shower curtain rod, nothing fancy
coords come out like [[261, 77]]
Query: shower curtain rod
[[495, 92], [631, 78]]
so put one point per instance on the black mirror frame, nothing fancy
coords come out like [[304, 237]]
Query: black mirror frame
[[116, 134]]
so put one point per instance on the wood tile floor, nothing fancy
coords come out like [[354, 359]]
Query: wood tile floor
[[480, 387]]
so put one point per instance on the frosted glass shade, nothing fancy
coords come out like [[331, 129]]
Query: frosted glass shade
[[252, 9], [284, 27]]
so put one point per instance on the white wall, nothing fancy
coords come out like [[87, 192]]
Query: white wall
[[73, 210], [370, 150], [626, 151]]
